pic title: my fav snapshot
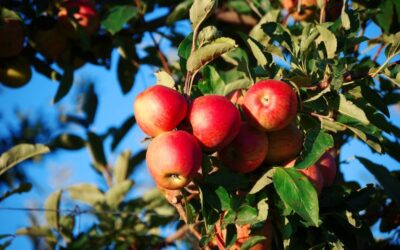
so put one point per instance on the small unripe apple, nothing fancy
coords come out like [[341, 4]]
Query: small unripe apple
[[159, 109], [247, 151], [236, 97], [215, 121], [328, 168], [11, 37], [173, 158], [270, 105], [84, 14], [284, 144], [15, 72]]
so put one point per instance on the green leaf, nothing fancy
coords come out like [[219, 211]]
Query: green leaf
[[360, 134], [216, 197], [385, 17], [6, 14], [180, 12], [264, 181], [316, 143], [65, 83], [95, 146], [68, 141], [117, 16], [126, 74], [345, 17], [20, 153], [52, 206], [243, 83], [256, 49], [224, 197], [200, 11], [117, 193], [121, 132], [22, 188], [252, 241], [208, 34], [165, 79], [89, 104], [38, 232], [329, 39], [246, 215], [348, 108], [184, 50], [263, 208], [297, 192], [389, 183], [212, 82], [87, 193], [121, 166], [208, 53]]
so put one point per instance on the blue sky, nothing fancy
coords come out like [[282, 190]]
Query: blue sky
[[70, 167]]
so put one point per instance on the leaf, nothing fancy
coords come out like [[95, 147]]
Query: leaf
[[165, 79], [212, 82], [316, 143], [89, 104], [360, 134], [87, 193], [200, 11], [262, 208], [136, 160], [208, 34], [348, 108], [329, 39], [117, 17], [65, 83], [121, 166], [385, 17], [117, 193], [252, 241], [389, 183], [180, 12], [216, 197], [345, 17], [243, 83], [6, 14], [126, 74], [208, 53], [264, 181], [20, 153], [68, 141], [52, 206], [257, 50], [38, 232], [184, 51], [95, 146], [297, 192], [246, 215], [22, 188], [121, 132]]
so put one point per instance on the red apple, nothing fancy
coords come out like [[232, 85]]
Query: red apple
[[270, 105], [247, 151], [11, 37], [314, 174], [284, 144], [173, 158], [328, 168], [159, 109], [236, 97], [84, 14], [307, 12], [215, 121]]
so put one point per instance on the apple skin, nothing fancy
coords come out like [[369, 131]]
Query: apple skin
[[314, 175], [15, 72], [328, 168], [86, 16], [236, 97], [284, 144], [173, 158], [11, 38], [159, 109], [308, 11], [215, 121], [270, 105], [247, 151]]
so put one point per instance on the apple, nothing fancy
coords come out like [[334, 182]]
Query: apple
[[215, 121], [83, 13], [173, 158], [328, 168], [307, 12], [159, 109], [314, 175], [11, 37], [48, 39], [247, 151], [270, 105], [15, 72], [236, 97], [284, 144]]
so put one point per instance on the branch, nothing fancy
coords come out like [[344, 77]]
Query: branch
[[233, 17], [164, 60]]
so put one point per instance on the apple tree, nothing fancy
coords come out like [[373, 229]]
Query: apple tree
[[245, 130]]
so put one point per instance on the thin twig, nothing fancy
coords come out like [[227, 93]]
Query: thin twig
[[322, 17], [164, 60], [378, 52]]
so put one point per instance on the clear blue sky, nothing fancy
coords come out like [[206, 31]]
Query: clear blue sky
[[70, 167]]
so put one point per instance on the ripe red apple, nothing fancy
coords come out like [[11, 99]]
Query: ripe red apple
[[11, 37], [215, 121], [328, 168], [270, 105], [159, 109], [173, 158], [284, 144], [236, 97], [314, 174], [307, 12], [247, 151], [84, 14]]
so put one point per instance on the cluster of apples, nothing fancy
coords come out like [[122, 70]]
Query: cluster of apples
[[212, 124], [47, 35]]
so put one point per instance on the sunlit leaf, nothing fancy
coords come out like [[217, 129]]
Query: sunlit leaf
[[117, 17], [52, 206]]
